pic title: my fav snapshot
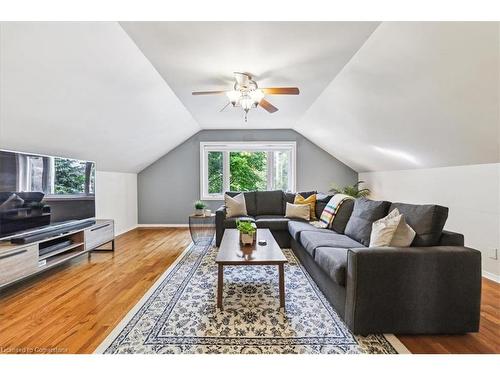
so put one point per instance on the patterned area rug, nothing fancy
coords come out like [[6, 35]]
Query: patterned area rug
[[178, 314]]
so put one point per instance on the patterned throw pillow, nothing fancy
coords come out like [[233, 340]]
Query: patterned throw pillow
[[311, 201], [331, 209]]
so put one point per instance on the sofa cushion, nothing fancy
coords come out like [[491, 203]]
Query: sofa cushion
[[364, 213], [343, 215], [312, 240], [426, 219], [270, 203], [250, 201], [272, 222], [231, 221], [334, 262], [296, 227]]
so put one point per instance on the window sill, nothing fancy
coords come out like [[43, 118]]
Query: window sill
[[212, 198]]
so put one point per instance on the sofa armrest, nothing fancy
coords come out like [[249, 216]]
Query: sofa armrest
[[413, 290], [220, 217]]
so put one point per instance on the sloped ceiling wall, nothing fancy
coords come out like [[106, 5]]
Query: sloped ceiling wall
[[416, 95], [85, 90]]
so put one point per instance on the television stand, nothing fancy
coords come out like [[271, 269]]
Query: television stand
[[21, 261]]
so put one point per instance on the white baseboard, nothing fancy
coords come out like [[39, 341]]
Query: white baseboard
[[163, 225], [491, 276], [126, 230]]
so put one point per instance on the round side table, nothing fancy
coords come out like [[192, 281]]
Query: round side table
[[202, 228]]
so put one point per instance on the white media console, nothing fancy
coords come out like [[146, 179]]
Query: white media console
[[18, 262]]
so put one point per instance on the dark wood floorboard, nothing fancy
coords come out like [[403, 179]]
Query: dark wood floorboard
[[72, 308]]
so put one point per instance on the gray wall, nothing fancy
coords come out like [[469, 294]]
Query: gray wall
[[168, 188]]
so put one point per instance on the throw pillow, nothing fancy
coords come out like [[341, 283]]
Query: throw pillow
[[235, 206], [404, 235], [383, 230], [331, 209], [391, 230], [297, 211], [310, 201]]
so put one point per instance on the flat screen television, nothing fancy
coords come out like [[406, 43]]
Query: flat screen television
[[40, 191]]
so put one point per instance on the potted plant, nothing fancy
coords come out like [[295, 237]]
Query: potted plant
[[247, 232], [352, 190], [199, 207]]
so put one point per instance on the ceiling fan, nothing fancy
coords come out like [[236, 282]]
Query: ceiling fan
[[247, 94]]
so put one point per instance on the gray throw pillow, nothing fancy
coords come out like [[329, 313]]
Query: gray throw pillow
[[364, 213]]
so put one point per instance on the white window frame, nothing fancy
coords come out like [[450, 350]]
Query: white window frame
[[227, 147]]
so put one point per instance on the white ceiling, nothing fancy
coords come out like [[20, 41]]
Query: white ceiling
[[376, 96], [84, 90], [416, 95], [194, 56]]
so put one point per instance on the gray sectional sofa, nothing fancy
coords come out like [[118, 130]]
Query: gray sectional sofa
[[432, 287]]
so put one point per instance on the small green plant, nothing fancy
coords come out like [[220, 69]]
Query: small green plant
[[245, 227], [352, 190], [199, 205]]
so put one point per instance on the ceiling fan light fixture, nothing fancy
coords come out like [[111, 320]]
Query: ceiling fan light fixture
[[257, 95], [247, 95], [246, 102], [233, 96]]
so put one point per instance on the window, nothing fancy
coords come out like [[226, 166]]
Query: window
[[246, 166]]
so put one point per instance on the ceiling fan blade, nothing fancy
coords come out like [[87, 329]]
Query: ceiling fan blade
[[267, 106], [281, 91], [207, 92], [223, 108]]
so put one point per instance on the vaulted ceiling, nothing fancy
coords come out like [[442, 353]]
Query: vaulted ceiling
[[376, 96]]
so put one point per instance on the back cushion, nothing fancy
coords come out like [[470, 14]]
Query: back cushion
[[250, 201], [270, 202], [343, 215], [427, 220], [321, 202], [364, 213]]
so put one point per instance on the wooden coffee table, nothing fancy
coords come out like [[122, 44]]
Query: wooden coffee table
[[232, 253]]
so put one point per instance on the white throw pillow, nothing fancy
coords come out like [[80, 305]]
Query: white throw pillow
[[298, 211], [404, 235], [235, 206], [383, 230], [391, 230]]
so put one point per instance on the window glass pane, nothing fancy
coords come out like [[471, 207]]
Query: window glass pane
[[281, 170], [248, 171], [215, 169], [69, 176]]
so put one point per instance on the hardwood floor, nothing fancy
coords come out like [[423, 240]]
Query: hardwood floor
[[71, 309]]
